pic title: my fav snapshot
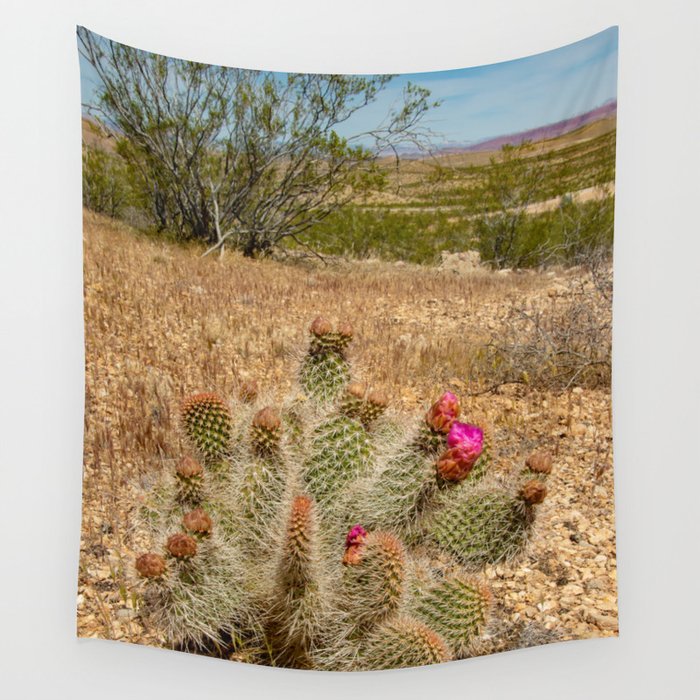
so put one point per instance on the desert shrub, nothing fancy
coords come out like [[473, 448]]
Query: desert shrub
[[106, 184], [558, 341], [416, 237]]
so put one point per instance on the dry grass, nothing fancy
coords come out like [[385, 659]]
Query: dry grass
[[161, 322]]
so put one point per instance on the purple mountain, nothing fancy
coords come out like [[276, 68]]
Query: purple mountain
[[540, 133]]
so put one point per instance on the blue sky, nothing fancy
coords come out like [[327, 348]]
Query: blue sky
[[501, 98]]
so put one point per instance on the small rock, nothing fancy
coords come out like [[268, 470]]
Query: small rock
[[605, 622]]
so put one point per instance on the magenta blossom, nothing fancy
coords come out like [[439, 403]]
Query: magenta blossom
[[466, 443], [356, 536], [466, 436], [354, 544]]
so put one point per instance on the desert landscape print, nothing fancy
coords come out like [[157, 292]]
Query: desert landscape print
[[348, 358]]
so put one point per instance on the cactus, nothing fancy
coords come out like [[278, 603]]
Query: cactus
[[325, 370], [457, 608], [206, 420], [487, 525], [402, 643], [341, 451], [306, 536], [374, 581], [298, 595]]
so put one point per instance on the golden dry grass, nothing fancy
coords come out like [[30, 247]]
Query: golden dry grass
[[161, 322]]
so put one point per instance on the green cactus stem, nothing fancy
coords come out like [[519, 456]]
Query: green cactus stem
[[457, 608], [207, 423], [404, 642], [325, 371], [487, 525]]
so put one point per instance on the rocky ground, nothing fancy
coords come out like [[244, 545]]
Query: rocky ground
[[162, 322]]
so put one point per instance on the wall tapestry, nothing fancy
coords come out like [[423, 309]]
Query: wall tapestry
[[348, 345]]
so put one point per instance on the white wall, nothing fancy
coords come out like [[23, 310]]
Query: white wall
[[656, 359]]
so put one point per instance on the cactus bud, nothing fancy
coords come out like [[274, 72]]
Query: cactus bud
[[248, 391], [373, 407], [187, 468], [343, 335], [351, 404], [533, 492], [357, 390], [198, 522], [150, 565], [181, 546], [540, 463], [353, 545], [190, 476], [321, 327], [443, 413], [266, 430], [345, 330]]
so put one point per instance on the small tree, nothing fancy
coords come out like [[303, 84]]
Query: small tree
[[511, 185], [243, 156]]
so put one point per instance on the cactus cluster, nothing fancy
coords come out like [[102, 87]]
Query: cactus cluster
[[327, 531]]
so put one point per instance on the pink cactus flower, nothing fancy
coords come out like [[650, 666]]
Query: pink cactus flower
[[354, 544], [356, 536], [466, 443], [466, 436], [443, 413]]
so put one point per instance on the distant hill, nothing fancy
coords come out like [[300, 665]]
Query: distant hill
[[97, 136], [549, 131]]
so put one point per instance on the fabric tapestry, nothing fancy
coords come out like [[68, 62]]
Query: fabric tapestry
[[348, 358]]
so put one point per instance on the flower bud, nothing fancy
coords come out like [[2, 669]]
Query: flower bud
[[540, 462], [321, 327], [373, 407], [266, 430], [378, 399], [150, 565], [353, 545], [267, 419], [465, 445], [533, 492], [181, 546], [466, 436], [198, 522], [356, 535], [443, 413], [345, 331], [187, 468], [357, 390]]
